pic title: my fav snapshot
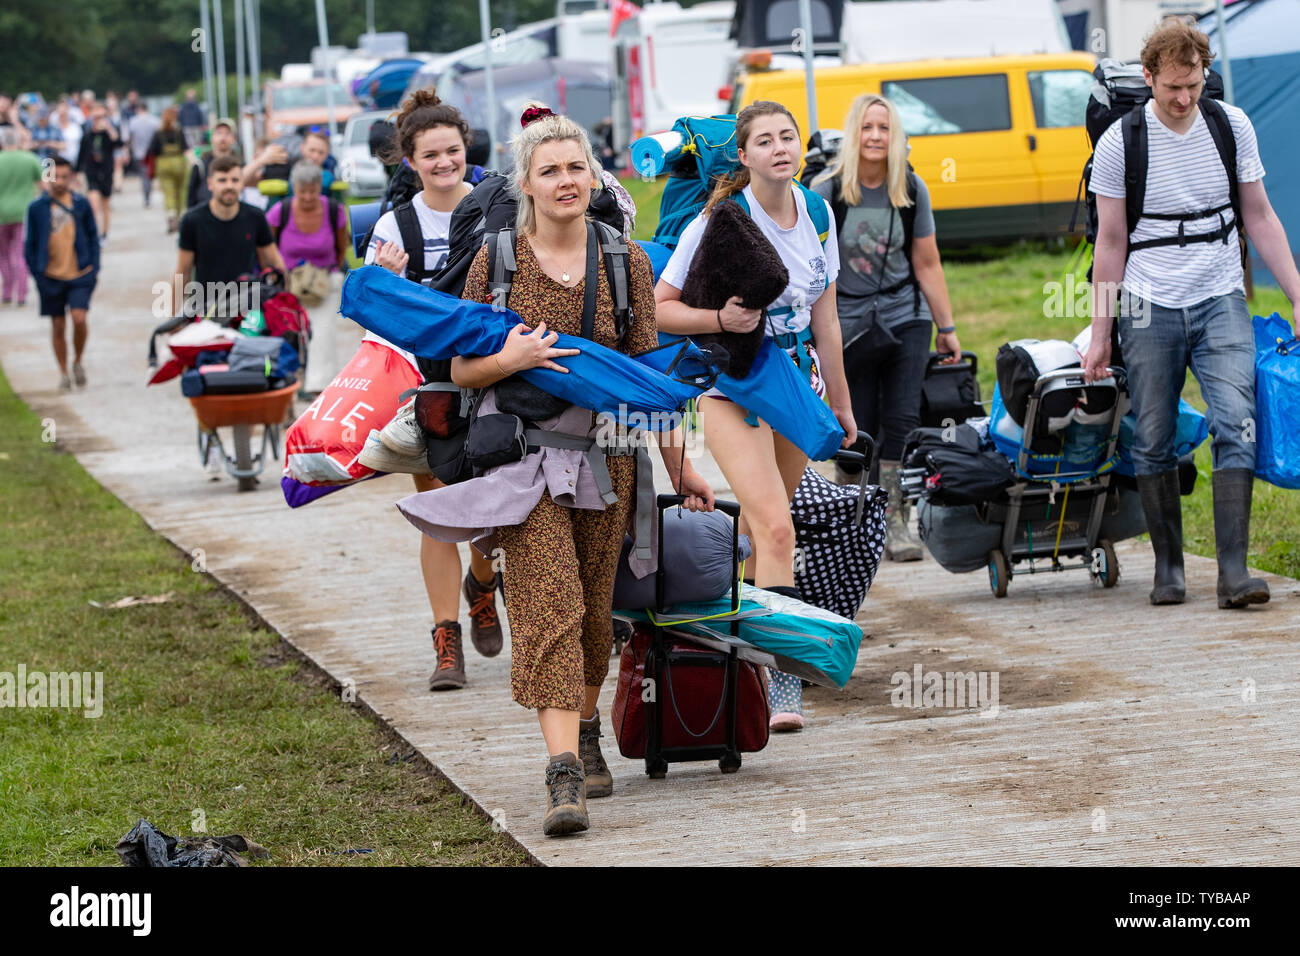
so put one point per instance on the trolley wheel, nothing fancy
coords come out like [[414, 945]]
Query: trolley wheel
[[244, 455], [656, 769], [999, 573], [729, 763], [1105, 566]]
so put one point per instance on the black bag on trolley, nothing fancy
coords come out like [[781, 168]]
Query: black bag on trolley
[[839, 533]]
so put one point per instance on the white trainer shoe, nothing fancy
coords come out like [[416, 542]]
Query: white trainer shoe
[[403, 434], [380, 457]]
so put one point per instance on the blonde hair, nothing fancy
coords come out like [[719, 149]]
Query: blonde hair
[[547, 129], [845, 166], [734, 182]]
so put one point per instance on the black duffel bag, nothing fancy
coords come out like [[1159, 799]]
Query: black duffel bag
[[958, 471], [950, 393]]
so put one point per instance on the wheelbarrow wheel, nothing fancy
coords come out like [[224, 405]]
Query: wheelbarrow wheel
[[244, 455], [1105, 566], [999, 573]]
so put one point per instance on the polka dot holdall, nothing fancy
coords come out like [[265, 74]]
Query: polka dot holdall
[[839, 538]]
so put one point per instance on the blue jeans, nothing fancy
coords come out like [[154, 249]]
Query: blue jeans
[[1215, 338]]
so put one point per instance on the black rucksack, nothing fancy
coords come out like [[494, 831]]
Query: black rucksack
[[1120, 95], [283, 202], [484, 217]]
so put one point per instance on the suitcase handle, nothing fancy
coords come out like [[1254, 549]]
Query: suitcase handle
[[967, 357], [663, 502], [864, 460]]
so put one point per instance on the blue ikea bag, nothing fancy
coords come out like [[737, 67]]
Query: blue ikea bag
[[1277, 402]]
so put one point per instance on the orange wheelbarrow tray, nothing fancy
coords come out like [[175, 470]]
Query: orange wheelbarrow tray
[[240, 413]]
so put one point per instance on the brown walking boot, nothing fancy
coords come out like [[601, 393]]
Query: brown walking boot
[[600, 782], [484, 625], [566, 800], [449, 674]]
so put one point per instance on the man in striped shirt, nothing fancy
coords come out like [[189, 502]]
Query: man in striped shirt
[[1183, 302]]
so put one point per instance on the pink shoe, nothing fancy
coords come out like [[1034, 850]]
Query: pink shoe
[[785, 723]]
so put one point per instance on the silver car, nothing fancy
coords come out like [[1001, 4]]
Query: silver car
[[363, 173]]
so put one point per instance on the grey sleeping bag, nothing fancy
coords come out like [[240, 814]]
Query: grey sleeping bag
[[697, 557]]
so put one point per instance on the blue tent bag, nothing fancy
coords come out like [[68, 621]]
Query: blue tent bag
[[439, 326], [1277, 403], [806, 641], [774, 389]]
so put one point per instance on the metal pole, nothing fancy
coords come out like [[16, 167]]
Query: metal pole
[[239, 57], [489, 88], [220, 41], [1224, 63], [324, 39], [805, 22], [209, 90], [254, 54], [370, 17]]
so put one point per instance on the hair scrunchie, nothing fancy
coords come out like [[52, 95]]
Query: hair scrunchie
[[534, 113]]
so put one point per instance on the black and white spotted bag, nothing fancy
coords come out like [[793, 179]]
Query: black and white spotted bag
[[838, 543]]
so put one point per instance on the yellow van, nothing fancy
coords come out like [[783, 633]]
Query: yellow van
[[999, 141]]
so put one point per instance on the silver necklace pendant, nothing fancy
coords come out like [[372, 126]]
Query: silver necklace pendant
[[564, 277]]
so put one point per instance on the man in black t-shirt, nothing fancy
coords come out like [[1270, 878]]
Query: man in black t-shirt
[[221, 240]]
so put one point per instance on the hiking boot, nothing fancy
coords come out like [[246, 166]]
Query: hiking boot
[[1164, 514], [484, 627], [78, 374], [449, 674], [900, 543], [1232, 493], [403, 435], [566, 799], [600, 782], [380, 457]]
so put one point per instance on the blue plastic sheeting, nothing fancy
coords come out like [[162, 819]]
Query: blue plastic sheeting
[[439, 326]]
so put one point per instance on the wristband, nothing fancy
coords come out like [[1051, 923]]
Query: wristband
[[720, 328], [946, 329], [504, 373]]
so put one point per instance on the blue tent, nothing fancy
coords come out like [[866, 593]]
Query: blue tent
[[1263, 40], [385, 84]]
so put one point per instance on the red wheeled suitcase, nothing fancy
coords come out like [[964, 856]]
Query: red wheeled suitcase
[[678, 700]]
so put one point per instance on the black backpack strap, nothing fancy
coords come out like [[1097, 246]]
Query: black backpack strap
[[1225, 141], [592, 278], [501, 264], [838, 209], [276, 230], [618, 271], [1134, 132], [408, 226], [908, 214]]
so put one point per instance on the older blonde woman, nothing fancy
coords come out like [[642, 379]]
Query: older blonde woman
[[891, 289]]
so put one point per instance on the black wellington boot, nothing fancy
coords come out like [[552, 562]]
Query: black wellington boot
[[1232, 492], [1164, 514]]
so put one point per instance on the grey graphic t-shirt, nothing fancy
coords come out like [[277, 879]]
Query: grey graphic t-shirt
[[872, 257]]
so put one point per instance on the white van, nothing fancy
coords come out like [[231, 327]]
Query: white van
[[669, 62]]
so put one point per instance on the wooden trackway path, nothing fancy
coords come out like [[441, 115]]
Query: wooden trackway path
[[1125, 734]]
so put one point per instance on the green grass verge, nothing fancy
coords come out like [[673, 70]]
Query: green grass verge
[[1002, 293], [206, 716]]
